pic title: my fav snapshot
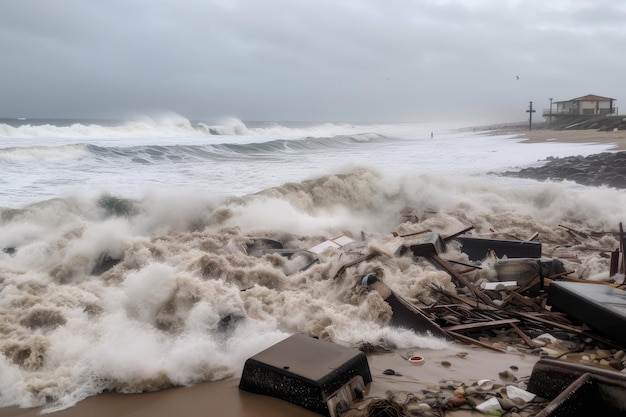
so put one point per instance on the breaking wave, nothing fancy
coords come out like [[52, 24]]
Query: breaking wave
[[134, 295], [157, 153], [170, 126]]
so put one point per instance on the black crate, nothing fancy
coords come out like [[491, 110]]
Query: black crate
[[308, 372]]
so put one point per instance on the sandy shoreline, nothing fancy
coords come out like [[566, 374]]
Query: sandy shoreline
[[458, 362], [616, 139]]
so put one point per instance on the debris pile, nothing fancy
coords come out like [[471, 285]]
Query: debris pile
[[528, 306]]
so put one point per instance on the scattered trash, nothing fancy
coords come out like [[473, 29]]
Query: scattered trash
[[529, 305], [336, 243], [418, 360], [484, 385], [514, 392], [491, 407]]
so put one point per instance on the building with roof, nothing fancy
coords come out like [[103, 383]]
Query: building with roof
[[589, 105]]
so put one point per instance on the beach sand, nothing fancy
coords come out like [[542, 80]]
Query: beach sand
[[617, 139], [464, 363]]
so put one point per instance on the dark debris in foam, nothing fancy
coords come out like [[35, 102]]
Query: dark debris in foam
[[603, 169]]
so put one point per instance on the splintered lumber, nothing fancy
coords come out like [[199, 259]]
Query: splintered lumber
[[578, 232], [568, 328], [533, 237], [430, 247], [460, 279], [470, 340], [406, 314], [421, 232], [354, 262], [523, 336], [526, 301], [459, 233], [481, 326], [470, 267]]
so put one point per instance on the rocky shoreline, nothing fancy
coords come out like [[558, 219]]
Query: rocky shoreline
[[603, 169]]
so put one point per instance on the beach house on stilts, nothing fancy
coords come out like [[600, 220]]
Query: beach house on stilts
[[589, 105]]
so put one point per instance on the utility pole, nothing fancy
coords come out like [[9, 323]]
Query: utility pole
[[550, 124], [530, 112]]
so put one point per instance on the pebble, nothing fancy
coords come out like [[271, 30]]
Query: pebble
[[507, 376], [507, 404], [390, 372], [445, 364]]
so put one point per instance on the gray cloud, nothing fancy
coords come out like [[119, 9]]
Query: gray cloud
[[365, 60]]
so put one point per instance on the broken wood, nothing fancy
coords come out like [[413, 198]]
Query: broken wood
[[459, 233], [480, 326], [354, 262], [582, 234], [569, 328], [460, 279], [523, 336], [395, 234], [474, 341]]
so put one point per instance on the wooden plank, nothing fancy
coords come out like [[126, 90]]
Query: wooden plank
[[459, 233], [523, 336], [474, 341], [354, 262], [481, 326], [572, 329], [460, 279]]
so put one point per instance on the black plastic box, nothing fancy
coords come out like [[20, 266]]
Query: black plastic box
[[308, 372]]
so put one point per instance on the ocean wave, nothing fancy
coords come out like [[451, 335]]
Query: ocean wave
[[174, 153], [171, 126], [44, 153]]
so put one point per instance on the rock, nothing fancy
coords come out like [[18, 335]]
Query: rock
[[507, 376], [507, 404]]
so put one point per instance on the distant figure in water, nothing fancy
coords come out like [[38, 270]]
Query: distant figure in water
[[431, 135]]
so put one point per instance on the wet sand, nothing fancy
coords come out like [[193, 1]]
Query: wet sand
[[465, 363], [617, 139]]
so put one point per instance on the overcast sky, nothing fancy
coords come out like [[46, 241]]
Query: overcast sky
[[315, 60]]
